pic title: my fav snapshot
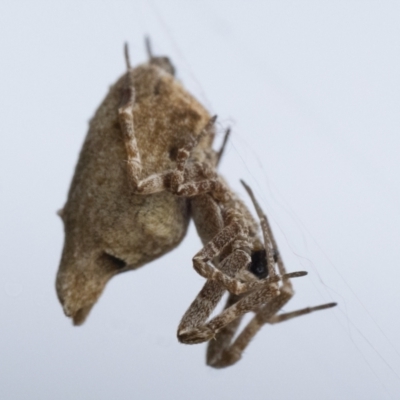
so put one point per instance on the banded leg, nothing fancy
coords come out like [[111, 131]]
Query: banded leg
[[235, 234], [222, 352], [194, 328], [186, 179], [211, 184], [171, 180], [198, 178], [204, 304], [125, 113], [208, 220]]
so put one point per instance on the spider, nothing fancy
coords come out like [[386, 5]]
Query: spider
[[247, 269], [146, 168]]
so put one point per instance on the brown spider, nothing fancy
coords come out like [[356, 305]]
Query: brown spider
[[146, 168], [247, 269]]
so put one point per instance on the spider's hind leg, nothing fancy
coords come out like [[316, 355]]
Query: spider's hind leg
[[224, 351]]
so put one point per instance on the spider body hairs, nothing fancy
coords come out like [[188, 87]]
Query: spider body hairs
[[146, 168]]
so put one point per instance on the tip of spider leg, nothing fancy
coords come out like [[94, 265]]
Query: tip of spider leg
[[126, 53], [246, 186], [212, 120], [297, 274], [324, 306], [330, 305], [250, 193], [148, 47], [210, 123]]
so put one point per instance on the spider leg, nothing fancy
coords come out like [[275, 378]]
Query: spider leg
[[193, 327], [222, 149], [208, 220], [218, 347], [188, 178], [171, 180], [125, 113], [178, 180], [194, 186], [234, 234], [222, 352], [194, 319], [286, 316]]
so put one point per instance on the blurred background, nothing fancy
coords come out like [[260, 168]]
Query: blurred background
[[311, 90]]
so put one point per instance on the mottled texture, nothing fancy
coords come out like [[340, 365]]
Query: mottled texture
[[102, 214], [146, 168]]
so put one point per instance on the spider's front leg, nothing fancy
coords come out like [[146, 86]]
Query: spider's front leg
[[232, 239], [178, 180], [194, 328], [234, 234]]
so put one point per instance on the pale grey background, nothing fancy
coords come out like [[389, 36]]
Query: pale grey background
[[312, 91]]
